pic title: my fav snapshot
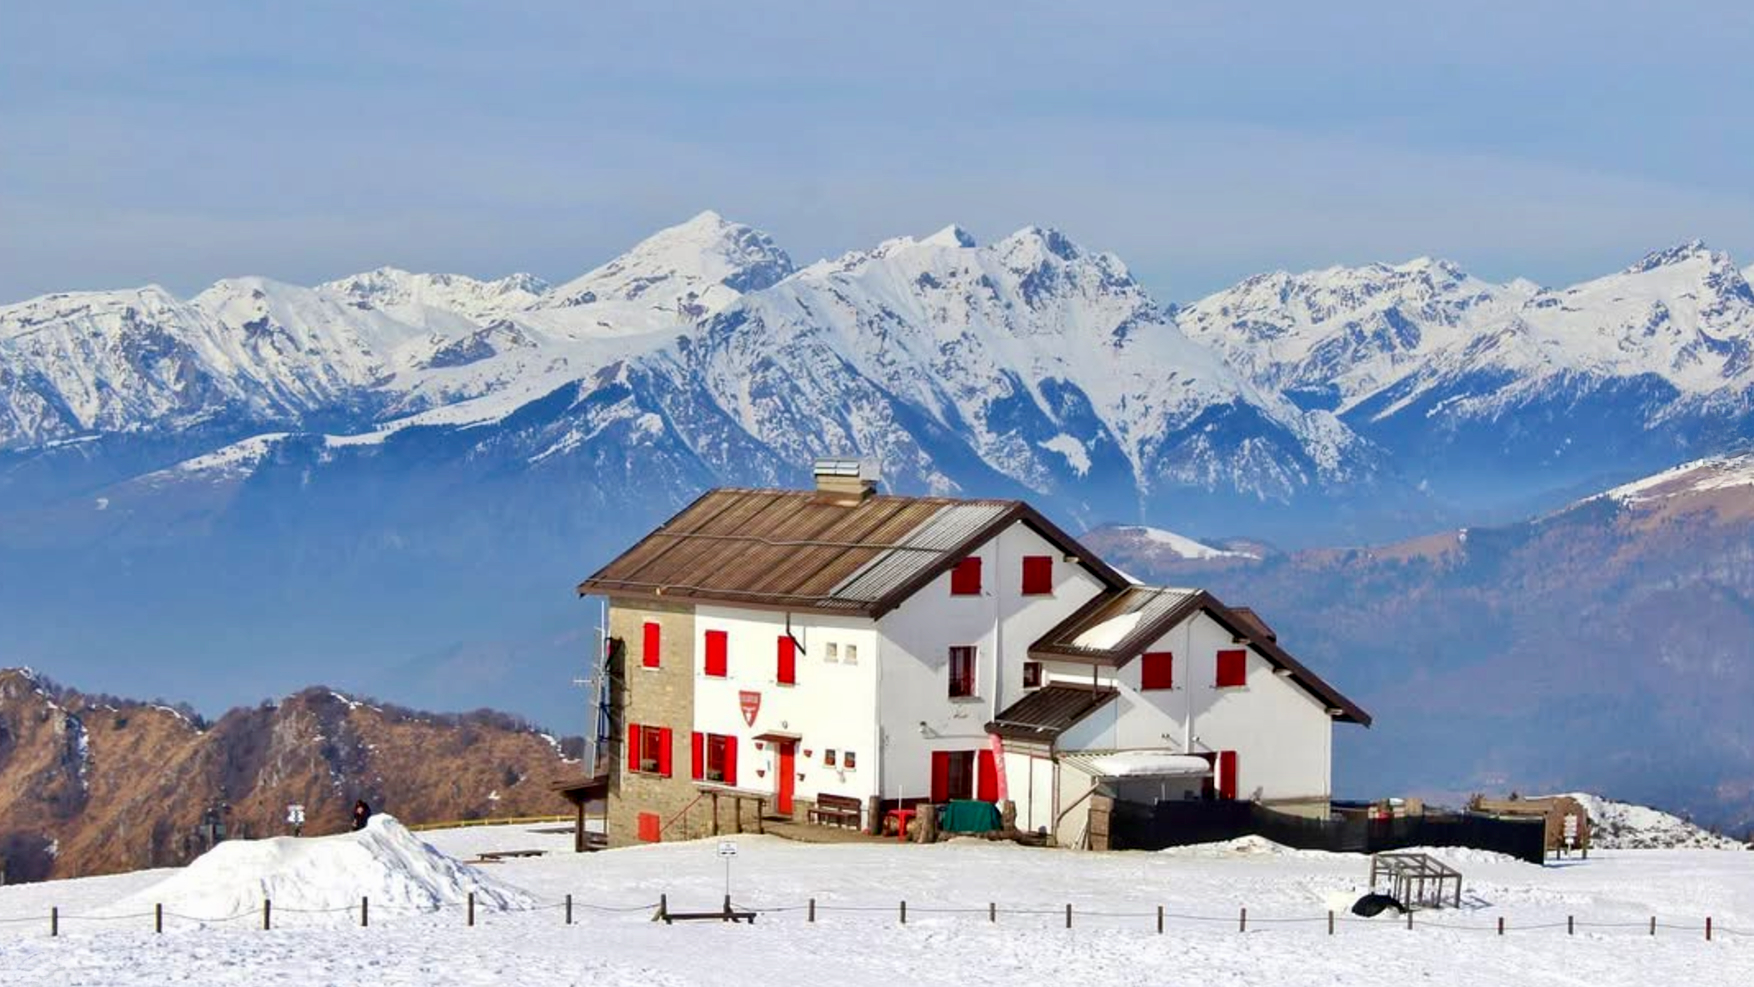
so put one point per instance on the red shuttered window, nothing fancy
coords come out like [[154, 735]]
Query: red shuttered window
[[652, 646], [987, 783], [1038, 575], [731, 760], [664, 749], [788, 661], [1227, 786], [965, 579], [633, 748], [1233, 668], [717, 646], [720, 755], [961, 671], [697, 756], [1157, 670], [940, 776]]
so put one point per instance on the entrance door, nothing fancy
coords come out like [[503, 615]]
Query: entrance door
[[788, 778]]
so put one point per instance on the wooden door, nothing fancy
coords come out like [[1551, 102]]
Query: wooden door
[[787, 780]]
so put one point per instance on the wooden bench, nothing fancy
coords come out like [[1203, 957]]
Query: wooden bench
[[725, 914], [496, 856], [837, 810]]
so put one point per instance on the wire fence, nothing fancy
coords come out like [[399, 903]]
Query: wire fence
[[1143, 918]]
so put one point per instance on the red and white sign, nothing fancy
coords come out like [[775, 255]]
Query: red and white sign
[[750, 702]]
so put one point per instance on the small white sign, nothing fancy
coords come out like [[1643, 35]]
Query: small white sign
[[727, 848], [295, 813]]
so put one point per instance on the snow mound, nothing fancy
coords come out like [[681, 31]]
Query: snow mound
[[383, 862], [1241, 846], [1625, 826]]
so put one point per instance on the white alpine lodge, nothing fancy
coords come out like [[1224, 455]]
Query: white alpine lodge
[[840, 656]]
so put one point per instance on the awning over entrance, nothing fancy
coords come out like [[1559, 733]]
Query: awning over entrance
[[779, 737], [1140, 764]]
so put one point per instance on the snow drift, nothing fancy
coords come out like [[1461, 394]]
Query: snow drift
[[383, 862]]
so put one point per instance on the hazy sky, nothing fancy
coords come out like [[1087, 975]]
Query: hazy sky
[[182, 142]]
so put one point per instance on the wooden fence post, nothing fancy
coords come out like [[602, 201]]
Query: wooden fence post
[[992, 911], [471, 908], [1160, 920], [267, 914], [158, 918], [1242, 921], [1409, 920], [1069, 915], [54, 921], [1330, 921], [1571, 925], [1653, 925], [1501, 925], [569, 908], [1708, 928], [664, 906], [904, 911], [812, 913], [365, 911]]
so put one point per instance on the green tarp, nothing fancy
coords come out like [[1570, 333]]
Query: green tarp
[[969, 816]]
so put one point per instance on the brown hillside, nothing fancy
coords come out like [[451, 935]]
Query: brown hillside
[[94, 785]]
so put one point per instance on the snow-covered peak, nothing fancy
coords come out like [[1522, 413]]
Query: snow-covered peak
[[405, 293], [687, 271], [951, 236], [1692, 250]]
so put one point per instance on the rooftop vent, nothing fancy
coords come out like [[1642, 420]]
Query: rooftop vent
[[845, 480]]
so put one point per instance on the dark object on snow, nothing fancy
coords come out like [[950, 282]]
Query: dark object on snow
[[361, 814], [1375, 903]]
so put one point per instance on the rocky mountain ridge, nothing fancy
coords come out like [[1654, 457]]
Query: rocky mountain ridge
[[92, 784]]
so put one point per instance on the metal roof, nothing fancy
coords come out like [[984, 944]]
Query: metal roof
[[809, 550], [1047, 712]]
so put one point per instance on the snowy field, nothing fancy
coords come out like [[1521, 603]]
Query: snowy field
[[106, 932]]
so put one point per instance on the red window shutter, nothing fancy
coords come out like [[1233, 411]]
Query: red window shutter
[[633, 747], [653, 641], [940, 776], [1227, 774], [788, 664], [987, 783], [1232, 668], [716, 647], [965, 579], [731, 761], [651, 827], [697, 756], [664, 747], [1038, 575], [1157, 670]]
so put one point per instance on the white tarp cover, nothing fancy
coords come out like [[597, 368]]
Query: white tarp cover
[[1142, 764]]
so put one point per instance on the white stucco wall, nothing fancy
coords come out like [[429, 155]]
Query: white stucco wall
[[832, 706], [1001, 623], [1281, 733]]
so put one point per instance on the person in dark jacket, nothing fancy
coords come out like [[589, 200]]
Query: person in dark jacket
[[361, 814]]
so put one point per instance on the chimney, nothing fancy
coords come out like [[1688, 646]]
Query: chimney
[[844, 481]]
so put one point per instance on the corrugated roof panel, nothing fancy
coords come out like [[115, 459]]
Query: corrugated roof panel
[[948, 529]]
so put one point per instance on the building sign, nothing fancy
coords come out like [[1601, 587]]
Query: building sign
[[751, 705]]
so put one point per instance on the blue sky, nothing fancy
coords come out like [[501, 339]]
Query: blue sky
[[181, 142]]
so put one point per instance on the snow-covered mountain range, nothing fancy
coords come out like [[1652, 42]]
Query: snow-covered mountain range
[[1460, 376]]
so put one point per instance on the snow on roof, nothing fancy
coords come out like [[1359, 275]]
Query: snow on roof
[[1141, 764]]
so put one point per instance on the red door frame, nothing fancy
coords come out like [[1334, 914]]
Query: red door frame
[[788, 779]]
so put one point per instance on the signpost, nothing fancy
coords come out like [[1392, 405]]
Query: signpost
[[727, 850], [295, 818]]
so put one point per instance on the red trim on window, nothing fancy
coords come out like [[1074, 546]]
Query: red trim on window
[[650, 656], [1232, 668], [962, 671], [717, 647], [697, 756], [651, 827], [987, 778], [940, 776], [1227, 786], [633, 747], [788, 661], [965, 579], [1038, 575], [1157, 670]]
